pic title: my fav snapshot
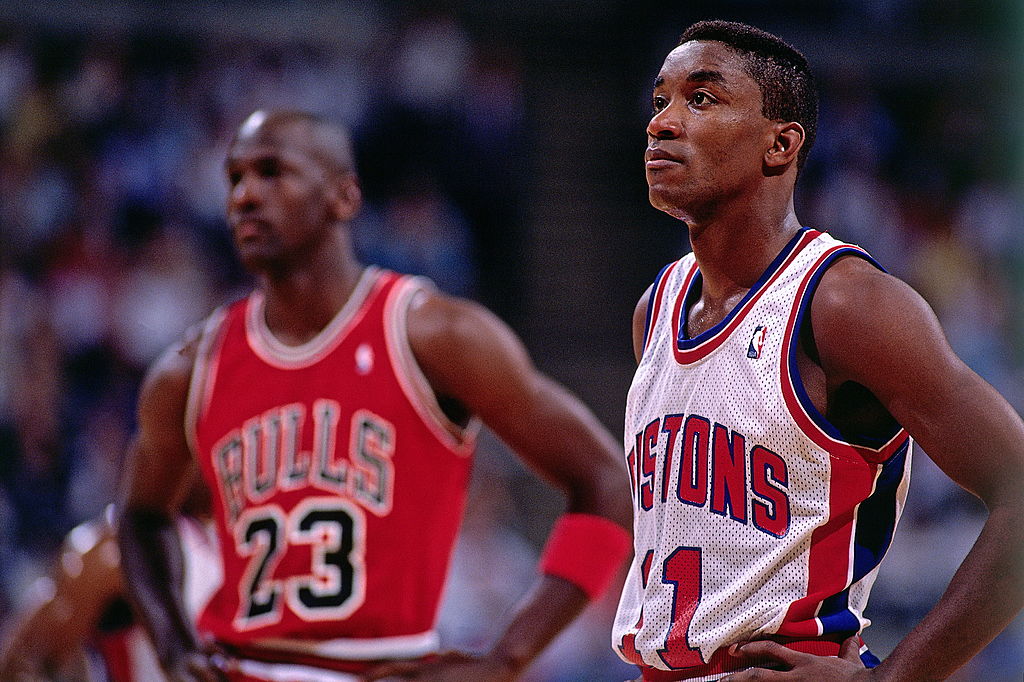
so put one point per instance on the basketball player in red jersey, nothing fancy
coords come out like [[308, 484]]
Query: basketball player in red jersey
[[813, 365], [332, 415]]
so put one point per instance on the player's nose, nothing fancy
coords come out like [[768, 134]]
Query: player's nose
[[665, 125], [245, 193]]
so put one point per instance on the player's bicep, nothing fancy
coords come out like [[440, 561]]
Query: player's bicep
[[875, 330], [475, 358], [470, 355], [159, 467]]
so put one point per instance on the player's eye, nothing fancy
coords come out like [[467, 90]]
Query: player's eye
[[268, 168], [701, 98], [659, 102], [234, 177]]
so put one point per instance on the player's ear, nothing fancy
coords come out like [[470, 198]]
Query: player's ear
[[789, 138], [346, 197]]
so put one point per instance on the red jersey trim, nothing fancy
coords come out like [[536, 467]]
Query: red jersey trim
[[272, 351], [414, 383], [654, 303], [722, 662], [689, 351], [797, 409], [114, 649], [830, 561]]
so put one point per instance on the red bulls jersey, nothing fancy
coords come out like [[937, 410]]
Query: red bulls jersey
[[338, 484]]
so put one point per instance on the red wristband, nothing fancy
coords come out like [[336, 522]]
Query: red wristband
[[586, 550]]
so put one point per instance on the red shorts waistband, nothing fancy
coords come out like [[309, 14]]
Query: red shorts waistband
[[722, 662]]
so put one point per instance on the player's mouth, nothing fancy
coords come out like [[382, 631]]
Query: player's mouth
[[657, 158], [248, 229]]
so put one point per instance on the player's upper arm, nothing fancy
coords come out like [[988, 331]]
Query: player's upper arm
[[640, 323], [160, 467], [875, 330], [470, 355]]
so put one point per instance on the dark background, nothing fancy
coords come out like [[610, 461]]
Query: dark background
[[500, 147]]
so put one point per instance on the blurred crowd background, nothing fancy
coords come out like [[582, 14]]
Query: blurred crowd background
[[500, 147]]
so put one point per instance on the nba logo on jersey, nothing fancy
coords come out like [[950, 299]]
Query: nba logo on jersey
[[364, 359], [757, 342]]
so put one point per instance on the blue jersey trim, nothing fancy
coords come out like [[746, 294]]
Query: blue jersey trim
[[804, 307], [685, 343], [876, 516], [876, 524], [869, 659], [835, 614], [650, 302]]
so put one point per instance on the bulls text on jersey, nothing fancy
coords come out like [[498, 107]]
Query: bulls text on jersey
[[263, 457]]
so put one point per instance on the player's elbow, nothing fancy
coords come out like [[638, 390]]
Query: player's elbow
[[603, 492]]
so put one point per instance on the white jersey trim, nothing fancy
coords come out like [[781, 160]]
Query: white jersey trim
[[204, 373], [409, 374], [401, 646], [282, 356], [278, 672]]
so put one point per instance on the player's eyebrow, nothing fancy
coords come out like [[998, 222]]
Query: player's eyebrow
[[699, 76], [706, 76]]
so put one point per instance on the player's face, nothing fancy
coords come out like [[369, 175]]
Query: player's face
[[277, 209], [707, 137]]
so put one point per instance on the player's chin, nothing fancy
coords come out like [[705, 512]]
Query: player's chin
[[662, 196], [256, 257]]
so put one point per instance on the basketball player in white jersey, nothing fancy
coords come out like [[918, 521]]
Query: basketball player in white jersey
[[782, 378]]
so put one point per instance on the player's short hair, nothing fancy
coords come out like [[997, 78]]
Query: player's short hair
[[328, 141], [788, 90]]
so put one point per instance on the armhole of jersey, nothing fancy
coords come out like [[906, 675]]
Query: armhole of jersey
[[204, 372], [654, 301], [411, 378], [204, 572], [812, 422]]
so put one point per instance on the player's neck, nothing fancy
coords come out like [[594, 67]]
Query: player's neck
[[734, 249], [301, 302]]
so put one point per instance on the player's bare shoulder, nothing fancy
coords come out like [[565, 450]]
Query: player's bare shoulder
[[173, 367], [467, 352], [437, 319], [640, 322], [866, 322], [449, 331], [855, 293], [165, 388]]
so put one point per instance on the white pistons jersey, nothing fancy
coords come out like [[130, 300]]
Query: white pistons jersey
[[753, 517]]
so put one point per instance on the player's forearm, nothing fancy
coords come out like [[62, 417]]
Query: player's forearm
[[986, 593], [582, 557], [589, 466], [151, 559], [547, 610]]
